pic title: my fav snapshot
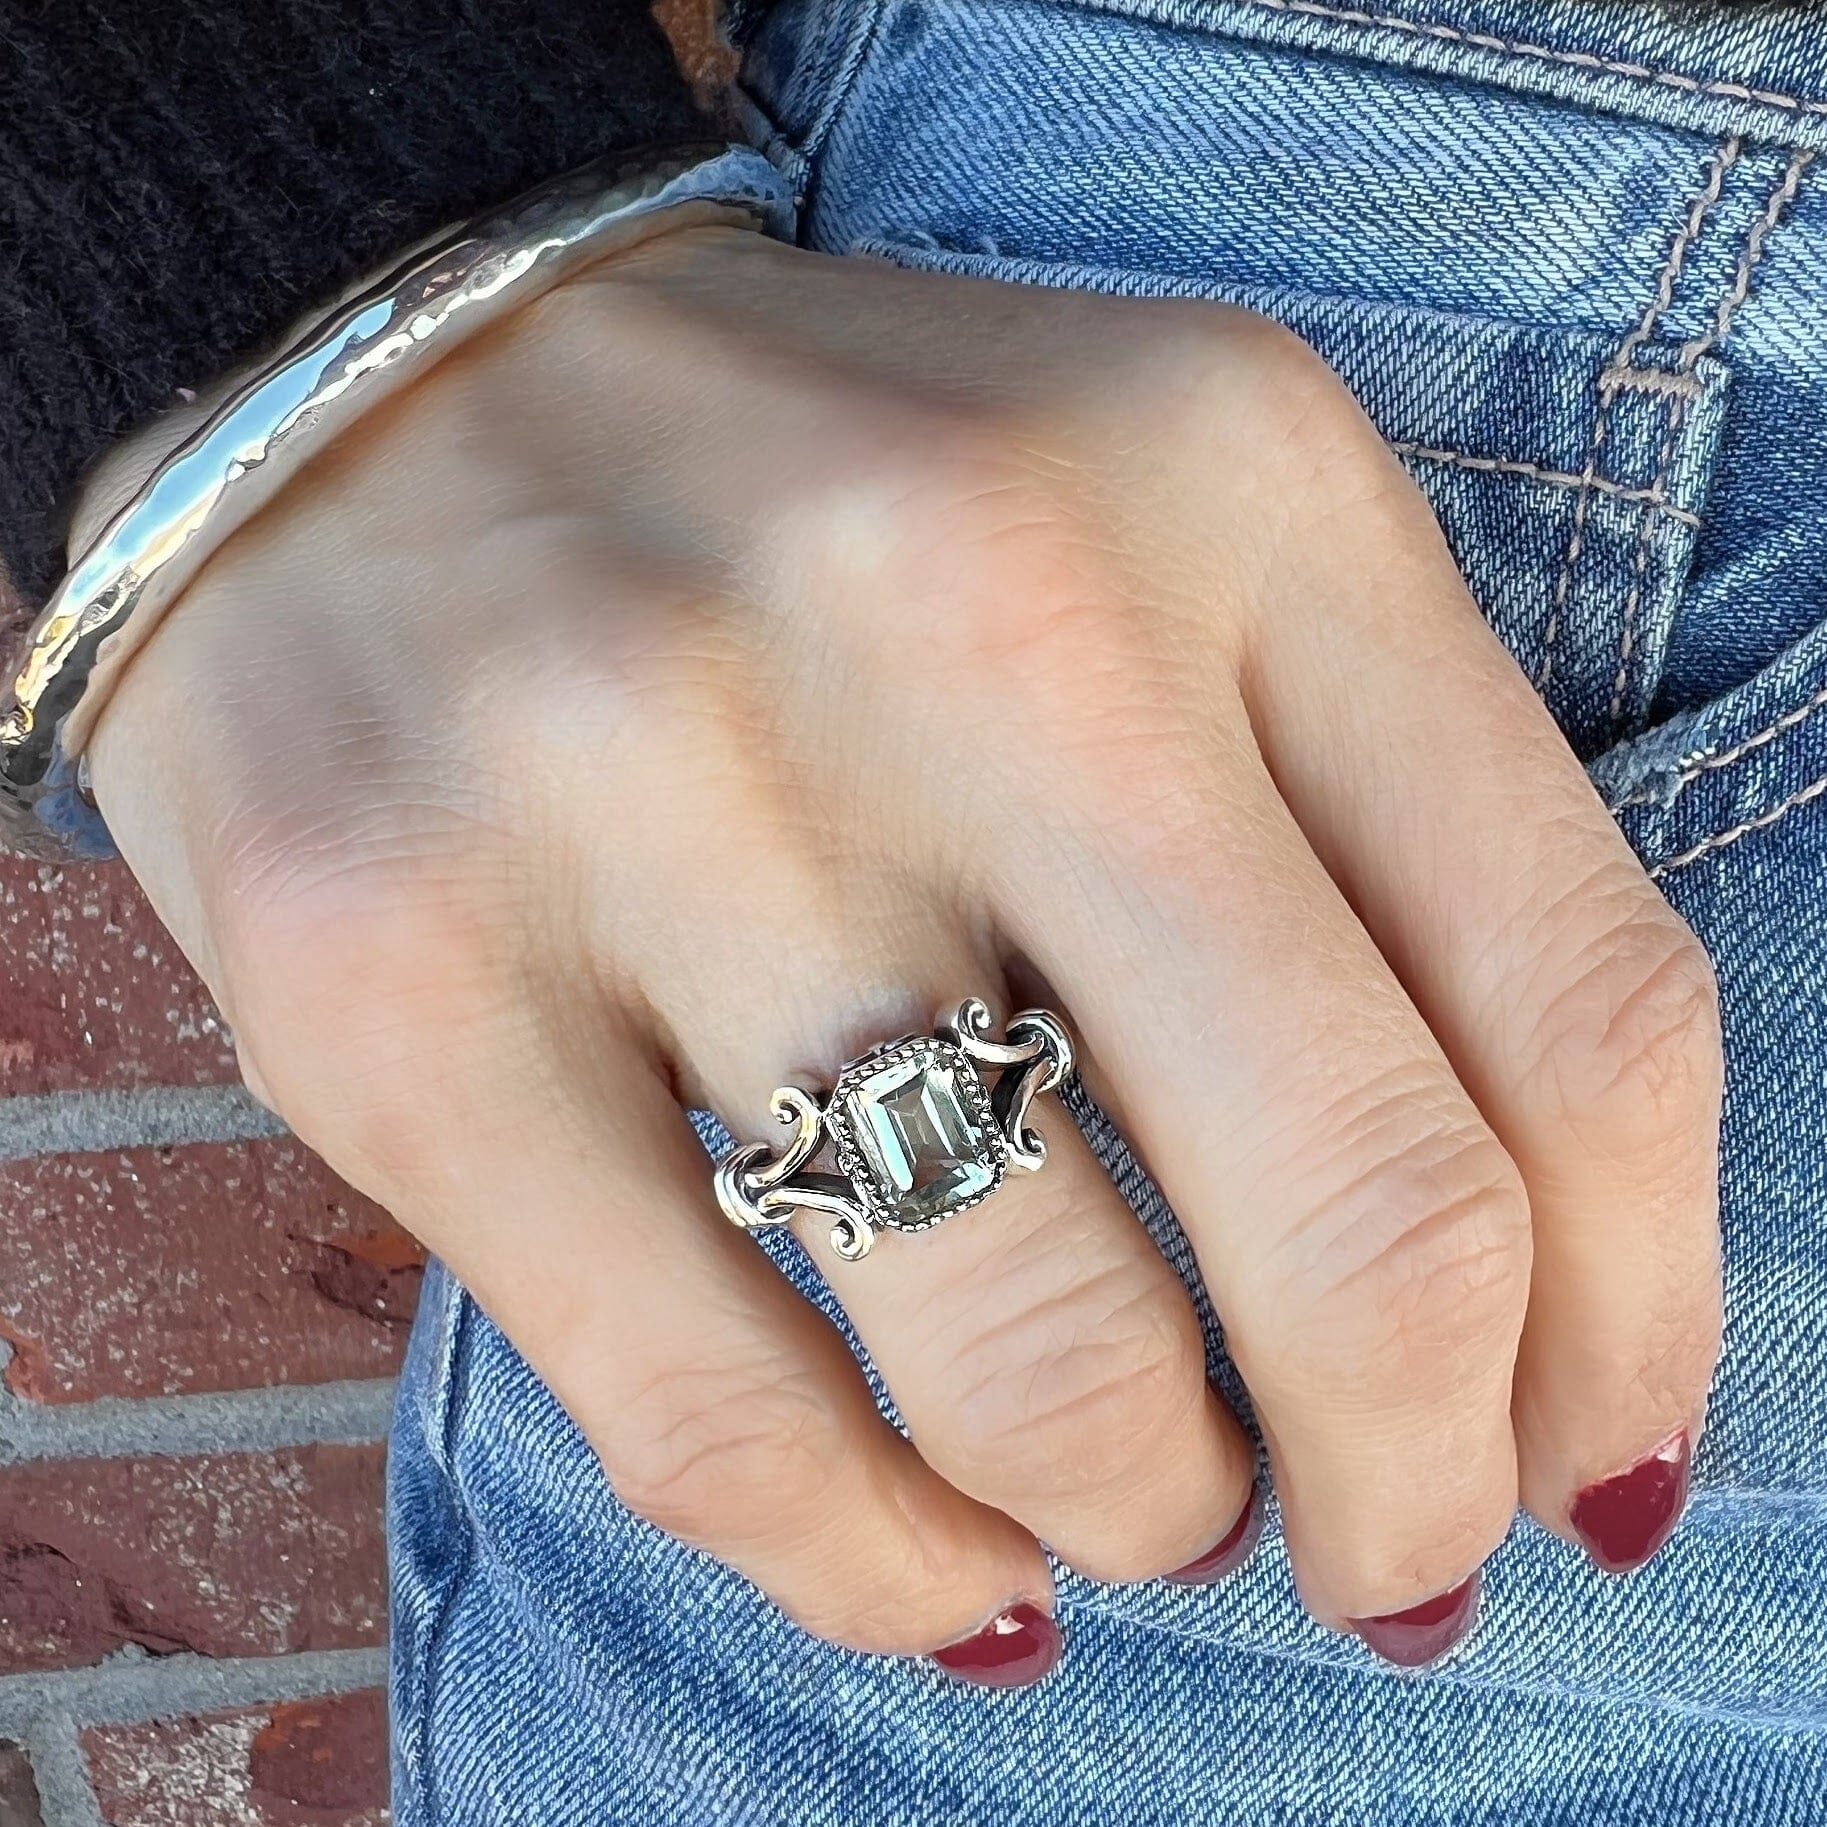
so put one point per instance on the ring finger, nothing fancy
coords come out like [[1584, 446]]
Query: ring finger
[[1045, 1357]]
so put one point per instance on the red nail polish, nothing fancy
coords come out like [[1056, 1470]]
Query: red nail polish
[[1221, 1562], [1016, 1649], [1425, 1632], [1622, 1521]]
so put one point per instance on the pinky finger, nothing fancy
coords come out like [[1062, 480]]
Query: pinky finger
[[725, 1409]]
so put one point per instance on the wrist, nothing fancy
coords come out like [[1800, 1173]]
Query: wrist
[[267, 426]]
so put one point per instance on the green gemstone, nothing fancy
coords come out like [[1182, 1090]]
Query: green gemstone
[[926, 1149]]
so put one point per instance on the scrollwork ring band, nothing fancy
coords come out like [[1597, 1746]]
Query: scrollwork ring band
[[917, 1130]]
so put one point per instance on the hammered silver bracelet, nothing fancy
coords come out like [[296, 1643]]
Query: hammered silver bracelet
[[246, 450]]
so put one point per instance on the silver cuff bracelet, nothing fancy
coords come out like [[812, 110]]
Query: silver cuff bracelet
[[255, 441]]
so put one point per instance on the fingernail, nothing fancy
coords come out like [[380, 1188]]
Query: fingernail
[[1622, 1521], [1015, 1649], [1425, 1632], [1222, 1561]]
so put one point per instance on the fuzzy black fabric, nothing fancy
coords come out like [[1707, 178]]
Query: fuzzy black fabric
[[180, 178]]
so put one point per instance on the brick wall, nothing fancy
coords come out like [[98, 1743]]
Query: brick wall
[[199, 1326]]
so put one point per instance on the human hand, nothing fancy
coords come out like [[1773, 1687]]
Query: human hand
[[738, 655]]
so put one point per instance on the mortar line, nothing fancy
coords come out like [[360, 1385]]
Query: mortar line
[[66, 1797], [350, 1413], [132, 1688], [160, 1116]]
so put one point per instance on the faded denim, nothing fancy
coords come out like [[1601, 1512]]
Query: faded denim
[[1571, 255]]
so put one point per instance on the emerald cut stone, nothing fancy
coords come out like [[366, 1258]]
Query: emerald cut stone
[[919, 1122]]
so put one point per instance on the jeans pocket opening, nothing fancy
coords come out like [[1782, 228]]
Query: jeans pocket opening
[[1734, 768]]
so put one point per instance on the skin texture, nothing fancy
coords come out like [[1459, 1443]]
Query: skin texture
[[742, 653]]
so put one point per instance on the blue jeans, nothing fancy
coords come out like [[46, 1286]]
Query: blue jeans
[[1572, 258]]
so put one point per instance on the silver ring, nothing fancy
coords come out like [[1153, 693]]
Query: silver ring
[[919, 1129]]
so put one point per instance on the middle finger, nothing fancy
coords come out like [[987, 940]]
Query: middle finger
[[1364, 1235]]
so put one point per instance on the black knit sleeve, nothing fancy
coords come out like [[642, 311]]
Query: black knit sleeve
[[179, 178]]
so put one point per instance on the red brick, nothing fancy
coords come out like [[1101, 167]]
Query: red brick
[[93, 991], [319, 1763], [173, 1271], [227, 1554], [18, 1790]]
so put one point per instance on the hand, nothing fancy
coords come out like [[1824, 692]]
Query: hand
[[741, 654]]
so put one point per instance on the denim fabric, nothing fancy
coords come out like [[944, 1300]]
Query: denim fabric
[[1570, 256]]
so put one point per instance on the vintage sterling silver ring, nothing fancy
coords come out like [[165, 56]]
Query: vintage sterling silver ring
[[919, 1129]]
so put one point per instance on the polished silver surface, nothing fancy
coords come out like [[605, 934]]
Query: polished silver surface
[[252, 444], [919, 1130]]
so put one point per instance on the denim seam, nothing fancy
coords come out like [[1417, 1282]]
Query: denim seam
[[1651, 380], [848, 53], [1721, 163], [1639, 562], [1708, 761], [853, 56], [420, 1757], [1615, 374], [1541, 53], [1679, 386], [1576, 541], [1653, 501], [434, 1638], [1691, 352], [1748, 262], [1721, 839]]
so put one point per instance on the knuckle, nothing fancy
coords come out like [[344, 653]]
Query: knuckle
[[1022, 584], [1413, 1252], [723, 1460], [972, 525], [1075, 1393], [1234, 366], [658, 704], [1626, 1049], [882, 1602], [1017, 575]]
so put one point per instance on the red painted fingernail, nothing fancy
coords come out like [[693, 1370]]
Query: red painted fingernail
[[1016, 1649], [1425, 1632], [1622, 1521], [1221, 1562]]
